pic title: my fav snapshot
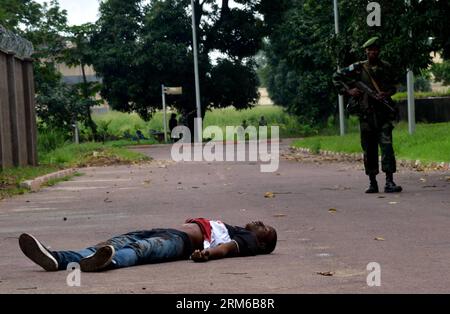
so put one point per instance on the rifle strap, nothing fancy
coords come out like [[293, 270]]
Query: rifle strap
[[374, 83]]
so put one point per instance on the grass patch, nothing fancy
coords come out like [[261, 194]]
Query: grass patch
[[430, 143], [10, 179], [53, 182], [91, 154], [119, 123], [419, 95], [68, 156]]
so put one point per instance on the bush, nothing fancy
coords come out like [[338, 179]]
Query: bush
[[441, 72], [50, 139]]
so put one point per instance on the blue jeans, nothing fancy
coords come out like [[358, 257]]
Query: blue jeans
[[136, 248]]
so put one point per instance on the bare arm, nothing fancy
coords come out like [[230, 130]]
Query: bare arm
[[222, 251]]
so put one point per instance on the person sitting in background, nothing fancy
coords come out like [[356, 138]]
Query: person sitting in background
[[262, 121], [173, 123]]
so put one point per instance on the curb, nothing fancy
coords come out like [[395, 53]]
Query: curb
[[35, 184], [415, 164]]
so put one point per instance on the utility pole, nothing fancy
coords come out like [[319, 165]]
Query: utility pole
[[341, 98], [164, 111], [198, 124], [411, 96]]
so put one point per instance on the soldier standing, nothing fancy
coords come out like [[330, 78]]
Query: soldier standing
[[376, 118]]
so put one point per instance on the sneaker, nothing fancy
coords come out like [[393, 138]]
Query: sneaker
[[100, 260], [35, 251]]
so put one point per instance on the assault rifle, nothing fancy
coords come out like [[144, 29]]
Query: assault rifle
[[388, 102]]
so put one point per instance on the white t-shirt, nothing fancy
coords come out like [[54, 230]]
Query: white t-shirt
[[219, 235]]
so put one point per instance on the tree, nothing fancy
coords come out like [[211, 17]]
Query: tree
[[78, 53], [300, 66], [441, 72], [139, 47], [16, 12], [303, 50], [58, 105]]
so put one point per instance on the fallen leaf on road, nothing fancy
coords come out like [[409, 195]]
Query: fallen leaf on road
[[379, 239], [269, 195], [195, 187], [279, 215], [447, 179], [325, 273], [423, 179], [393, 203], [147, 181], [107, 200], [381, 196], [332, 210]]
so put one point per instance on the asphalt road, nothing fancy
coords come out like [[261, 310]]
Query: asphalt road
[[324, 220]]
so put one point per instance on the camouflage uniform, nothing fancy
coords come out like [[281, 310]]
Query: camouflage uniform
[[376, 121]]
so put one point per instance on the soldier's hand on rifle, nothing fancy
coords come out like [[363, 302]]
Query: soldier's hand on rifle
[[355, 92], [383, 95]]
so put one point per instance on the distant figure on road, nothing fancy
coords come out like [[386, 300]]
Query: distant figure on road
[[370, 85], [198, 239], [262, 121], [173, 123]]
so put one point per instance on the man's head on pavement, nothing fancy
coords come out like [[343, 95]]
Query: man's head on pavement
[[266, 236], [372, 47]]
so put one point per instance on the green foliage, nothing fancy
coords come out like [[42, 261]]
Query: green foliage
[[430, 143], [50, 139], [404, 95], [299, 62], [290, 126], [74, 155], [304, 51], [58, 105], [441, 72], [18, 12], [139, 47]]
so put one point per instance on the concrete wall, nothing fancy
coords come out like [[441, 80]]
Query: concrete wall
[[431, 110], [18, 133]]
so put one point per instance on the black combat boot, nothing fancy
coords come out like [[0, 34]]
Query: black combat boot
[[390, 186], [373, 187]]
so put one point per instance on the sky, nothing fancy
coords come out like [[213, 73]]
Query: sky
[[79, 11], [84, 11]]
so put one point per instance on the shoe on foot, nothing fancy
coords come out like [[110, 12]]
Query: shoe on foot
[[100, 260], [391, 187], [35, 251], [373, 188]]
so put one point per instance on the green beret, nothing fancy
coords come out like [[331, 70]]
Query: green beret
[[372, 41]]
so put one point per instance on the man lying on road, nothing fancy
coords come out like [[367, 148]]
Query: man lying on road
[[198, 239]]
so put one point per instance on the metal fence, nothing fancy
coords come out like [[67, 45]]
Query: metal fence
[[18, 136]]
